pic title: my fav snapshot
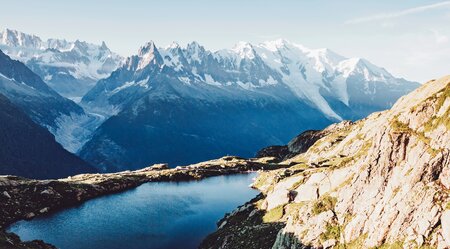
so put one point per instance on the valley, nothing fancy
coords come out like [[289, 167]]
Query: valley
[[327, 189]]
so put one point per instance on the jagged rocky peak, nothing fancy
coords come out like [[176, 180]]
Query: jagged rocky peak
[[195, 47], [380, 181], [147, 55], [81, 47], [103, 46], [148, 48], [58, 44], [173, 45], [194, 51]]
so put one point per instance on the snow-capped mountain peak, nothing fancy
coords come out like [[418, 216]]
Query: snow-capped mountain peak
[[148, 48], [173, 45], [194, 46], [244, 50], [274, 45], [281, 44], [361, 66], [15, 38], [59, 44], [194, 51], [103, 46], [147, 55]]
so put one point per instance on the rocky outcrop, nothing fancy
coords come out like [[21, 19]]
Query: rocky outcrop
[[300, 143], [383, 181], [243, 228]]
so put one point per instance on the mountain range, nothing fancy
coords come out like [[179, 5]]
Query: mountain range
[[70, 68], [182, 105], [187, 104]]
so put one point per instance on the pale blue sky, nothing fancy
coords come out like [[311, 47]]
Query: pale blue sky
[[410, 38]]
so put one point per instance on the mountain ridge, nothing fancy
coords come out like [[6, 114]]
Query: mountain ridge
[[187, 62]]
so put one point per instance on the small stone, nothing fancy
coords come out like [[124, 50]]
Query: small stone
[[6, 194], [445, 221], [329, 243], [222, 225], [159, 166], [419, 241], [44, 210], [30, 215], [47, 192]]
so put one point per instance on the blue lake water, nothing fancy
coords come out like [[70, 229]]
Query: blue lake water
[[153, 215]]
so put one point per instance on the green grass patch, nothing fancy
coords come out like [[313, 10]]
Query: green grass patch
[[292, 210], [274, 215], [299, 167], [400, 127], [325, 203], [395, 245], [345, 183], [262, 179], [354, 244], [298, 183], [331, 232]]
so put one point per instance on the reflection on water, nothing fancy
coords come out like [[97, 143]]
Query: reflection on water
[[154, 215]]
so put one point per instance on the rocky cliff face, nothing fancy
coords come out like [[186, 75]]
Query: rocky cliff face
[[298, 144], [383, 181]]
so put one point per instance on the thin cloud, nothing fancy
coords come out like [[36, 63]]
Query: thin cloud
[[440, 38], [268, 36], [385, 16]]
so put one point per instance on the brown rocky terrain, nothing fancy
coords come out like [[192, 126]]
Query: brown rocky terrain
[[381, 182]]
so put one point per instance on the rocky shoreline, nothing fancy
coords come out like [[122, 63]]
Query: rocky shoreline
[[22, 198]]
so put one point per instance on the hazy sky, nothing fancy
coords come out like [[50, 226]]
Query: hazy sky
[[410, 38]]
